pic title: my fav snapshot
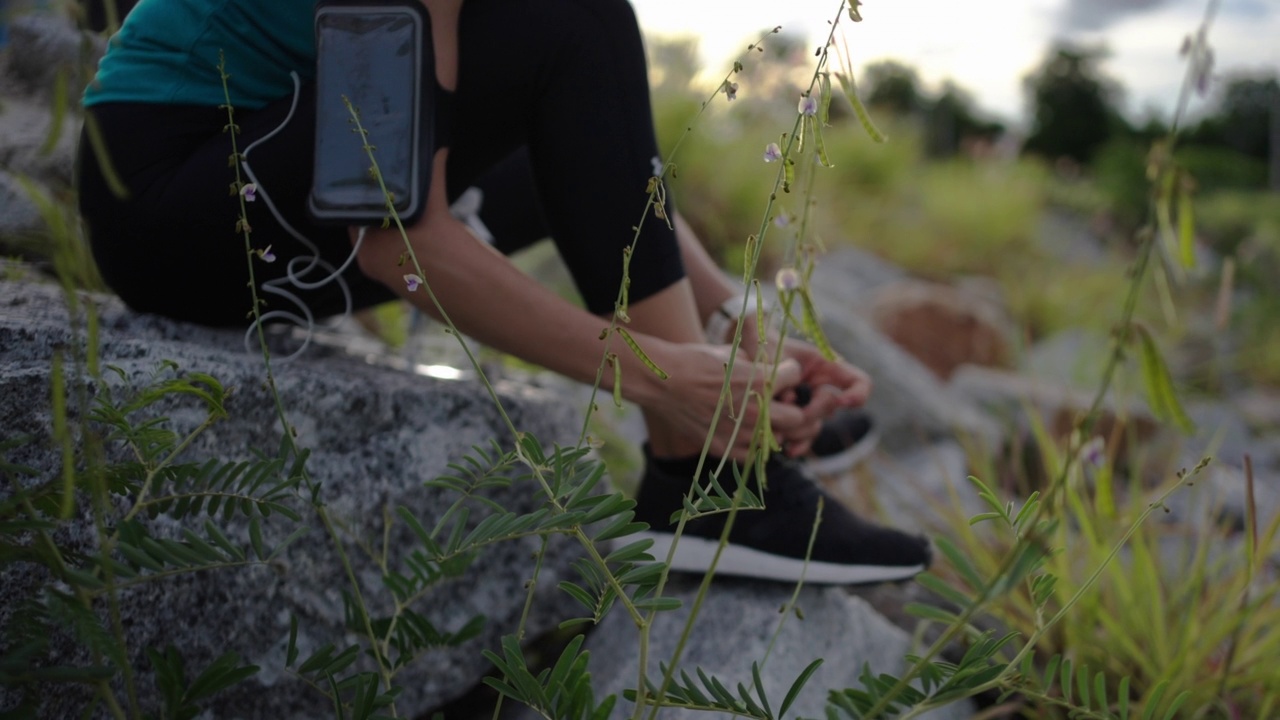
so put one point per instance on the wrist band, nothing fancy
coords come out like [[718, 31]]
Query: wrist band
[[720, 325]]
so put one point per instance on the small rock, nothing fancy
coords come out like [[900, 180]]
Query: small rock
[[943, 326], [737, 625]]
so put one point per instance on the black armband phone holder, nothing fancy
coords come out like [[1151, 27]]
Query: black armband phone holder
[[376, 55]]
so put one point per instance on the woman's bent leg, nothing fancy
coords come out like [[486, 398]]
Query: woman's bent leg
[[172, 246]]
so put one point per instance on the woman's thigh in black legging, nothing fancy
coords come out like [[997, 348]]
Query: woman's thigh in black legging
[[567, 78], [172, 247]]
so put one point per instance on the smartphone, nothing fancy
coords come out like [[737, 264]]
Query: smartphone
[[378, 56]]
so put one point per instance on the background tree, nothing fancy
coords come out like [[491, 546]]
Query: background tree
[[952, 119], [893, 87], [1243, 120], [1072, 104]]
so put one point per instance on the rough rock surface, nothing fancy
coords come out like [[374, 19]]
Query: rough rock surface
[[37, 142], [375, 436], [737, 626]]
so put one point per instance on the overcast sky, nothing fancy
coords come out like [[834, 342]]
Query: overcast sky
[[987, 46]]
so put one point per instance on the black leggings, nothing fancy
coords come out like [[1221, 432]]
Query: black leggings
[[563, 81]]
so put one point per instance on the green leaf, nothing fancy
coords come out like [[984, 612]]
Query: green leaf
[[718, 690], [222, 541], [559, 673], [929, 612], [1164, 205], [575, 622], [642, 574], [658, 604], [851, 92], [824, 98], [1042, 588], [318, 659], [1176, 705], [620, 527], [759, 686], [983, 517], [691, 690], [1051, 671], [1082, 684], [255, 539], [752, 707], [59, 111], [581, 496], [959, 562], [797, 686], [1159, 384], [819, 145], [941, 587], [82, 579], [633, 552], [1153, 702], [1067, 681], [138, 557], [1100, 690], [609, 505], [582, 596], [284, 544], [1028, 508], [291, 649], [222, 673], [1186, 227]]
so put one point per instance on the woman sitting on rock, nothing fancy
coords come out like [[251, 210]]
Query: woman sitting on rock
[[561, 80]]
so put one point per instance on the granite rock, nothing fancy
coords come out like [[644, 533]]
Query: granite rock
[[375, 436]]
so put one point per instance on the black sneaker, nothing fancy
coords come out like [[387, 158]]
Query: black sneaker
[[847, 438], [770, 544]]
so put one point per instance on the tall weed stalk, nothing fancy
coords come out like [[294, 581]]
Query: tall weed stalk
[[1032, 574]]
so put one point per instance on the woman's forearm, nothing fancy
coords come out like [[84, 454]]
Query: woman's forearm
[[490, 299]]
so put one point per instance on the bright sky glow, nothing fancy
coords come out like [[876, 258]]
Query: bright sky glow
[[987, 47]]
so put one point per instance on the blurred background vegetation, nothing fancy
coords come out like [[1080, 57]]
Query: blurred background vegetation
[[1050, 212]]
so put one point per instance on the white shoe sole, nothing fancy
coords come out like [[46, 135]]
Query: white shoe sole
[[694, 554]]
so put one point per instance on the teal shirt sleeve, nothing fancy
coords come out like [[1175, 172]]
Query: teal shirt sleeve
[[168, 51]]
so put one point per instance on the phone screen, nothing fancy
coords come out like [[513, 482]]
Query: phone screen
[[373, 57]]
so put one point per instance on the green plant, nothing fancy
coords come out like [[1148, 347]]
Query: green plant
[[1180, 607], [1023, 576]]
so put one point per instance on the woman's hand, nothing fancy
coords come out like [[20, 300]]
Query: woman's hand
[[688, 399], [833, 384]]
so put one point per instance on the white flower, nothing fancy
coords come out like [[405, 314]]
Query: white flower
[[249, 192], [731, 90], [788, 279], [808, 105], [772, 152], [412, 282]]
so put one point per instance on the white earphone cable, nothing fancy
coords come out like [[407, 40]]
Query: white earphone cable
[[294, 275]]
